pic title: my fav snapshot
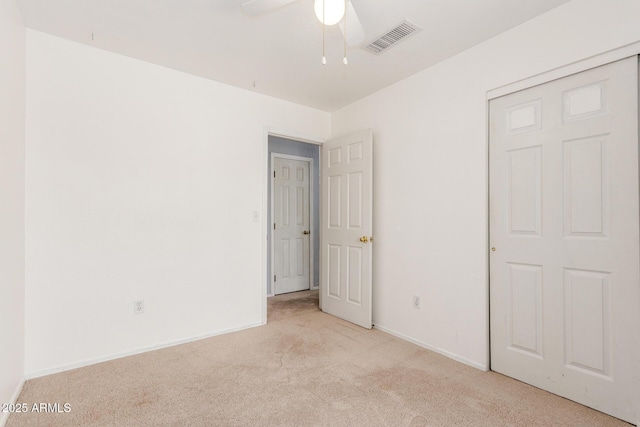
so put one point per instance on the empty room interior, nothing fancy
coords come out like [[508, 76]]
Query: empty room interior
[[319, 212]]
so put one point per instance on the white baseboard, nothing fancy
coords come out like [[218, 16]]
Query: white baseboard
[[4, 416], [450, 355], [93, 361]]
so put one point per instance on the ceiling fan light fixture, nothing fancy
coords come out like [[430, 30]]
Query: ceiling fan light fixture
[[333, 11]]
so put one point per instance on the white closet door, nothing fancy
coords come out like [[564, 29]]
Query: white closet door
[[565, 281]]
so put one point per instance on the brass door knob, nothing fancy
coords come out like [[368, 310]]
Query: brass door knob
[[493, 249], [364, 239], [305, 232]]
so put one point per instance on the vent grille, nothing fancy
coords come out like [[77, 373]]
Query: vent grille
[[393, 37]]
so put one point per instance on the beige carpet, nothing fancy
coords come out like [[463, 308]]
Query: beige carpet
[[303, 368]]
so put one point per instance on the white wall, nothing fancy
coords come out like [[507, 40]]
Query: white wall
[[141, 183], [12, 130], [430, 160]]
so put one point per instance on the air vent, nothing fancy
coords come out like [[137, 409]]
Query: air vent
[[393, 37]]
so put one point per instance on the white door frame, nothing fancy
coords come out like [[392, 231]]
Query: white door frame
[[311, 216], [266, 177], [528, 82]]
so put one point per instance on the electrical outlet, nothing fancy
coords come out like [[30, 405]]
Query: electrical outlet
[[416, 302], [138, 307]]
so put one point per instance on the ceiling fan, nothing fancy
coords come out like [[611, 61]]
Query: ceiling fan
[[329, 12]]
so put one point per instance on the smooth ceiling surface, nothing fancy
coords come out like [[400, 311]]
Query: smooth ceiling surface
[[280, 51]]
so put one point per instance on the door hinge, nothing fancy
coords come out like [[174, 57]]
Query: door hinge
[[274, 174], [274, 225], [274, 277]]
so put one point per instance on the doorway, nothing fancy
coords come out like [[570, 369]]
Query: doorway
[[291, 151], [342, 268]]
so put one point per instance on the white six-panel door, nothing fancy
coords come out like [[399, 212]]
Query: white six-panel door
[[347, 222], [291, 218], [564, 262]]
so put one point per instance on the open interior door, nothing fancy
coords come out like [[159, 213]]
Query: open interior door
[[347, 222]]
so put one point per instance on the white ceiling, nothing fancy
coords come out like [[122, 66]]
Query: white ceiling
[[280, 51]]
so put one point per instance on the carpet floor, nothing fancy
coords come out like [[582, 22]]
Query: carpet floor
[[303, 368]]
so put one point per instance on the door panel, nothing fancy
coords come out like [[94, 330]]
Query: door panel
[[291, 217], [524, 196], [586, 187], [565, 276], [524, 309], [587, 326], [347, 199]]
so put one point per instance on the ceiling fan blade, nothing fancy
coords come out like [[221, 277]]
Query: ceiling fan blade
[[355, 32], [258, 7]]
